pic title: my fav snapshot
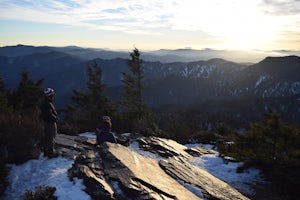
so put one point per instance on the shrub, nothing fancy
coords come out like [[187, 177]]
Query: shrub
[[19, 137], [146, 127], [42, 193], [206, 137], [273, 147]]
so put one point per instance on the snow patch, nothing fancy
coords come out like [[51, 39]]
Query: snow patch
[[226, 171], [44, 171], [88, 134], [194, 145], [53, 172], [126, 134], [134, 146], [295, 88], [261, 79], [195, 190], [201, 71], [217, 166]]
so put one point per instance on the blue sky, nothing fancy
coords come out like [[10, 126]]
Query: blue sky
[[152, 24]]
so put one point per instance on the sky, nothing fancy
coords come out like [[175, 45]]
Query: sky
[[152, 24], [53, 172]]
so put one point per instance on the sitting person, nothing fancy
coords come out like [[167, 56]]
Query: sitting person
[[104, 134]]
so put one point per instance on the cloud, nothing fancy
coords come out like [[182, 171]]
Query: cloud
[[281, 7], [285, 14], [214, 17], [92, 13], [135, 17]]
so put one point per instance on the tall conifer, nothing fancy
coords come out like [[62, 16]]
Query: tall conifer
[[134, 103], [4, 104], [28, 95], [137, 115], [87, 108]]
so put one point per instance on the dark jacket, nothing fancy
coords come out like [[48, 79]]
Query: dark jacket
[[105, 135], [49, 113]]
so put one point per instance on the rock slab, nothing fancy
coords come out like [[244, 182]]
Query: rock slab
[[113, 171]]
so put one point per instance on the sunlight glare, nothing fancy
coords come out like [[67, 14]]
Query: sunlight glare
[[239, 23]]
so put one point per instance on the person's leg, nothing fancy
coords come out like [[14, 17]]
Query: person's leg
[[54, 133], [49, 141]]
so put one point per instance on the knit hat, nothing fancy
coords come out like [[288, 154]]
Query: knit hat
[[48, 92], [104, 118]]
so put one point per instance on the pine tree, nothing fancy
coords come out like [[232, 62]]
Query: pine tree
[[4, 104], [264, 143], [28, 95], [137, 115], [20, 127], [86, 108], [272, 146], [176, 127], [2, 86], [133, 88]]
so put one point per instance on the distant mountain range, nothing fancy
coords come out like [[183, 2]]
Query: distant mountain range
[[162, 55], [241, 90]]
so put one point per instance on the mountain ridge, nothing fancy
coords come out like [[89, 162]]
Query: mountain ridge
[[162, 55], [214, 80]]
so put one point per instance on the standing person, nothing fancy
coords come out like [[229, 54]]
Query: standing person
[[50, 118], [104, 134]]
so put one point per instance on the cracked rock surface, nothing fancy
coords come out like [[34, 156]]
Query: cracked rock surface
[[114, 171]]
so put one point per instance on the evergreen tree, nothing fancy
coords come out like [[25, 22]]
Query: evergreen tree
[[2, 86], [28, 95], [272, 146], [266, 142], [20, 128], [176, 126], [86, 108], [137, 115], [4, 104], [133, 87]]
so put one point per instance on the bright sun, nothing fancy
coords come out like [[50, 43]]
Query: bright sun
[[248, 32], [239, 24]]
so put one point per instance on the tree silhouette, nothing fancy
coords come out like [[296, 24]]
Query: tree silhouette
[[4, 104], [27, 97], [133, 88], [87, 108], [137, 115], [272, 146]]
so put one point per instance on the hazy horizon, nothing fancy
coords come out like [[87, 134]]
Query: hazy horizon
[[186, 54], [158, 49]]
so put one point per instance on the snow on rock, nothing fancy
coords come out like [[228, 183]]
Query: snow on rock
[[199, 175], [226, 171], [88, 134], [147, 154], [142, 176]]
